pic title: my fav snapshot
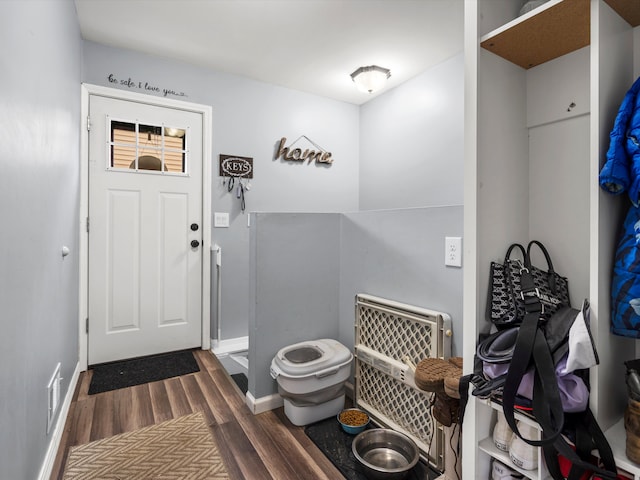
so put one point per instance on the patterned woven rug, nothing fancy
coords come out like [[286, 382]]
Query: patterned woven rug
[[178, 449]]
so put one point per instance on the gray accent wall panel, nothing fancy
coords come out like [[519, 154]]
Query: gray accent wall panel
[[296, 271], [307, 268], [399, 255]]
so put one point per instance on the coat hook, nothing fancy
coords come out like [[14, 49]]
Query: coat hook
[[571, 106]]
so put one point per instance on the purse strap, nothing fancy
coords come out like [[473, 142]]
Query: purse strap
[[551, 278], [532, 348], [507, 257], [588, 437]]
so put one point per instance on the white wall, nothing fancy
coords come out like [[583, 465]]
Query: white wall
[[411, 142], [39, 187], [249, 118]]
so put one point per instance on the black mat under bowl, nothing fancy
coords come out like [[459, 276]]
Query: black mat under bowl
[[335, 443], [242, 381], [127, 373]]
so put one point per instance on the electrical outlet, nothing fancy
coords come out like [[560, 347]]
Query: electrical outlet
[[453, 251]]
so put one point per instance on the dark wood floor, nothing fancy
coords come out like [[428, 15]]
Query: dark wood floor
[[264, 446]]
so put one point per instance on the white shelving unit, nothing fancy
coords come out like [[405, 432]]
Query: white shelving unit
[[487, 446], [617, 437], [541, 94]]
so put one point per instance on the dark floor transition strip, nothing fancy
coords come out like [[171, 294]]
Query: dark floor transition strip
[[127, 373], [335, 443]]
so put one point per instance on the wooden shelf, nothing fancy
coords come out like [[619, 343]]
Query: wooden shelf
[[554, 29], [490, 449], [630, 11]]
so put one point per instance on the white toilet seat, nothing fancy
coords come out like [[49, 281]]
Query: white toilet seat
[[330, 353]]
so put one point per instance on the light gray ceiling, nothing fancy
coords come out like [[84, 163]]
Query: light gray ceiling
[[308, 45]]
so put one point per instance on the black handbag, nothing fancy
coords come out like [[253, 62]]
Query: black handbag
[[506, 304], [502, 309], [552, 289]]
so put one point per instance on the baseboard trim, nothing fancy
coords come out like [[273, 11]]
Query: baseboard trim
[[230, 345], [263, 404], [56, 436]]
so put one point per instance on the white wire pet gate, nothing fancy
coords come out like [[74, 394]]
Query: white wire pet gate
[[388, 333]]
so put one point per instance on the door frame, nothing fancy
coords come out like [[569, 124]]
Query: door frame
[[207, 113]]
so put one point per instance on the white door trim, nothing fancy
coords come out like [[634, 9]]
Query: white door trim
[[207, 113]]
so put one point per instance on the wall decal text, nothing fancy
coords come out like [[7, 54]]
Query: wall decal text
[[145, 86]]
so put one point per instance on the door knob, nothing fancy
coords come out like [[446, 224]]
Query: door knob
[[195, 243], [194, 227]]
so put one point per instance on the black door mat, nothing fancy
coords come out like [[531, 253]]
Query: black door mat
[[136, 371], [242, 381], [335, 443]]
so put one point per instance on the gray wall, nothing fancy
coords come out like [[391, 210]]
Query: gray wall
[[307, 268], [295, 272], [39, 150], [411, 158], [399, 255], [249, 118], [411, 165], [411, 142]]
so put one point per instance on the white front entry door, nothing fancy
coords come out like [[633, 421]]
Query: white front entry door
[[145, 229]]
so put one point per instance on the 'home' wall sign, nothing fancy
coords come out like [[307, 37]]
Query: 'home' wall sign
[[298, 155]]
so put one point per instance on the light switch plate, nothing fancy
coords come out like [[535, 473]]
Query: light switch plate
[[221, 219]]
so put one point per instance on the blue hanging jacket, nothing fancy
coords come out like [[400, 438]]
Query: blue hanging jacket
[[625, 286], [621, 171], [620, 174]]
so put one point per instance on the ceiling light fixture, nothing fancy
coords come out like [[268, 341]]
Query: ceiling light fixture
[[371, 78]]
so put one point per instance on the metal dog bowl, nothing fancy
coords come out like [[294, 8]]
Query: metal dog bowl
[[384, 454]]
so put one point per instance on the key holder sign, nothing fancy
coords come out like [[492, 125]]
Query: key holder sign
[[233, 170], [234, 166]]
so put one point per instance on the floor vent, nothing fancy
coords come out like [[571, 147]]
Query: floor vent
[[53, 397]]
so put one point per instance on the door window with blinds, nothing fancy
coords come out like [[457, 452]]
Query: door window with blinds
[[137, 147]]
